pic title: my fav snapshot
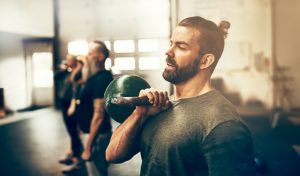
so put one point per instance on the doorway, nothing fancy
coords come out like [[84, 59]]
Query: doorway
[[39, 71]]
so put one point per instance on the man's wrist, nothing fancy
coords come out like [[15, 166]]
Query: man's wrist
[[139, 113]]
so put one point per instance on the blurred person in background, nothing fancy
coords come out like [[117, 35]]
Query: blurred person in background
[[73, 155], [90, 112]]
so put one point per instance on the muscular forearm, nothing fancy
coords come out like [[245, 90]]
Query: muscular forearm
[[125, 139], [123, 144]]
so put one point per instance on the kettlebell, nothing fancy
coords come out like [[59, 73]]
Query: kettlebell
[[121, 96]]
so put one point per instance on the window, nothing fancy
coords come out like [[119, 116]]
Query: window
[[78, 47], [149, 63], [42, 69], [124, 46], [124, 63], [108, 64], [146, 45], [135, 55]]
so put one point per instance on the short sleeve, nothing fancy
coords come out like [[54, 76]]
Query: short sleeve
[[101, 84], [228, 150]]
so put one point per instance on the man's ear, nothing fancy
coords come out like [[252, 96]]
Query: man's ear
[[101, 57], [207, 60]]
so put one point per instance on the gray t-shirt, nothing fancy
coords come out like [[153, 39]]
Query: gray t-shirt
[[202, 135]]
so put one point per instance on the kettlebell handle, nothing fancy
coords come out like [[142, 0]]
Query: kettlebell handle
[[130, 101]]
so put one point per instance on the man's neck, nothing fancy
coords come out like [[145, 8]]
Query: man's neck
[[195, 86]]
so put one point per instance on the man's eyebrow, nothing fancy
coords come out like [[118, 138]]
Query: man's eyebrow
[[180, 43]]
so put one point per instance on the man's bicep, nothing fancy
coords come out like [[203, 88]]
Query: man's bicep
[[228, 150], [99, 105]]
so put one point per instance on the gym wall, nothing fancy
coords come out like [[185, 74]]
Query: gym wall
[[113, 20], [286, 27], [12, 71], [29, 17], [20, 20], [248, 47]]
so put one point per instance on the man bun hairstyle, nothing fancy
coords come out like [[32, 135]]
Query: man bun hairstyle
[[211, 36], [224, 26], [103, 49]]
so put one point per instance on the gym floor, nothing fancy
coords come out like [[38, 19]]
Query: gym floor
[[32, 142]]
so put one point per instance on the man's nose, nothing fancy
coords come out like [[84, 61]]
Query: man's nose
[[170, 52]]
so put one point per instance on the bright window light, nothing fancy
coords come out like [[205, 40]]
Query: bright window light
[[108, 45], [78, 48], [124, 46], [108, 64], [42, 69], [124, 63], [149, 63], [148, 45]]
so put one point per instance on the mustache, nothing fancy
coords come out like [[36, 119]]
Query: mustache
[[171, 61]]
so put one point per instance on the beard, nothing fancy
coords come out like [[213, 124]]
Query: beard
[[180, 74], [85, 72], [94, 67], [91, 69]]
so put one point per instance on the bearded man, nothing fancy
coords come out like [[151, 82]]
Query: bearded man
[[90, 110], [197, 130]]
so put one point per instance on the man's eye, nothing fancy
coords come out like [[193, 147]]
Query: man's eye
[[182, 47]]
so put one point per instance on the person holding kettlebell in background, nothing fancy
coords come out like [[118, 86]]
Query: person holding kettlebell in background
[[90, 112], [196, 131], [88, 107]]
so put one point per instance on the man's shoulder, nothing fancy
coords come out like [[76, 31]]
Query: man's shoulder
[[61, 74], [102, 80], [229, 131], [212, 110], [220, 106], [100, 76], [104, 74]]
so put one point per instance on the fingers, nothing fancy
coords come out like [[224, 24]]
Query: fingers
[[166, 98], [86, 155], [156, 98]]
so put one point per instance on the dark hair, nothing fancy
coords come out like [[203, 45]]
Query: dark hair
[[211, 36], [103, 49]]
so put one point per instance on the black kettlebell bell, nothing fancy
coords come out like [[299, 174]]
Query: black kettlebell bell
[[121, 96]]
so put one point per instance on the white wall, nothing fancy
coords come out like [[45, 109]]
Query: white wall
[[20, 19], [90, 19], [12, 71], [30, 17], [113, 20], [247, 48], [287, 37]]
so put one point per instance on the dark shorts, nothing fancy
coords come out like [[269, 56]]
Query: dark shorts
[[99, 149]]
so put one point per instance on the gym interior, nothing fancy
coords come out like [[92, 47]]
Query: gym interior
[[257, 71]]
